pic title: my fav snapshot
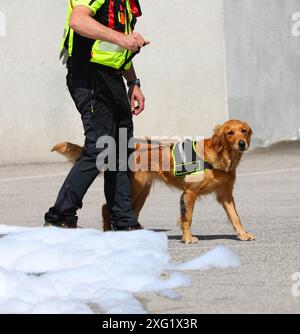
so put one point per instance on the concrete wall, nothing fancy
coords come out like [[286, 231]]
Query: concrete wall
[[263, 66], [35, 109], [187, 80], [183, 70]]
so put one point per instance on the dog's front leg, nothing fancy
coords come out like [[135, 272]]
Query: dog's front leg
[[187, 204], [227, 201]]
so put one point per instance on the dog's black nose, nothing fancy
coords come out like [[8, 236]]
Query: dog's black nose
[[242, 144]]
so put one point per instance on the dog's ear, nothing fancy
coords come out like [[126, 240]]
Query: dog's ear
[[218, 138], [250, 131]]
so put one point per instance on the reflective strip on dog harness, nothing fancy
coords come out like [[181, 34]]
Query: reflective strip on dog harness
[[187, 161]]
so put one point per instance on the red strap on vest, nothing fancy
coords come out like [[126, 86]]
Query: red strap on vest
[[136, 10], [111, 14], [113, 8]]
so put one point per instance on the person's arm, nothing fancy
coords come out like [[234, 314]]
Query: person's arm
[[134, 93], [82, 22], [130, 74]]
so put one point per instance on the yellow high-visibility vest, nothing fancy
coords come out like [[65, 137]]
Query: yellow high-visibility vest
[[119, 15]]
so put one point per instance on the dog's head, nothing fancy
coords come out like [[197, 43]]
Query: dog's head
[[234, 135]]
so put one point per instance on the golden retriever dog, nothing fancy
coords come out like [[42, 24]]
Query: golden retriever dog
[[223, 152]]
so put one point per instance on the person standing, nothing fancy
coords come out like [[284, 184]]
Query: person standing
[[98, 46]]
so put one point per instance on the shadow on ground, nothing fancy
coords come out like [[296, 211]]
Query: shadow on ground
[[207, 237]]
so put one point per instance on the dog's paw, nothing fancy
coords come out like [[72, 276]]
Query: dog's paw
[[190, 240], [246, 236]]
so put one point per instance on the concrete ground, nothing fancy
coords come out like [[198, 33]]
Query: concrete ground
[[267, 195]]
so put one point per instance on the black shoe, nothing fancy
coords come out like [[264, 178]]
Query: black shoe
[[55, 221], [135, 227], [60, 225]]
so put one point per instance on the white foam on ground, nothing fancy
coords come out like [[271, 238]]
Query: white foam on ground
[[48, 270], [219, 257]]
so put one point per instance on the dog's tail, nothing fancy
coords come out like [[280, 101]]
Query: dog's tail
[[69, 150]]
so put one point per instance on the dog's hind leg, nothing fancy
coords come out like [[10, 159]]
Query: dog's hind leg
[[106, 218], [227, 201], [141, 186], [187, 204]]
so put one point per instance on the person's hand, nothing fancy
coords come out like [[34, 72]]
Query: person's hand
[[133, 42], [137, 100]]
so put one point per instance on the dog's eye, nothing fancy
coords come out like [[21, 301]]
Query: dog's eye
[[244, 131], [230, 133]]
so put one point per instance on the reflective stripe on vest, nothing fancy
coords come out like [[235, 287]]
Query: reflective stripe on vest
[[105, 53]]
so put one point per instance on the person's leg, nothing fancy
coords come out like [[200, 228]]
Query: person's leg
[[117, 185], [97, 118]]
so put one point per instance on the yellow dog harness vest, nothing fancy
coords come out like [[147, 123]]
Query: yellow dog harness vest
[[186, 159]]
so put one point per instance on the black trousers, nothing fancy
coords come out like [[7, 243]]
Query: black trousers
[[101, 98]]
